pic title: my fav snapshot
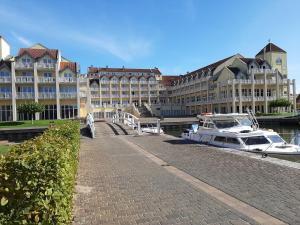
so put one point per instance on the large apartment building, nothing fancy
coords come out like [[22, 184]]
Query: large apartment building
[[233, 84], [229, 85], [107, 89], [41, 75]]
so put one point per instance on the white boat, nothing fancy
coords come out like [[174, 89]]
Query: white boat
[[238, 131], [149, 128]]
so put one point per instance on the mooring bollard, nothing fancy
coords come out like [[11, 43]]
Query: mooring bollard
[[158, 127]]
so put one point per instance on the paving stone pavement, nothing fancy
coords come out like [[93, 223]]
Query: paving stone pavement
[[118, 185], [271, 188]]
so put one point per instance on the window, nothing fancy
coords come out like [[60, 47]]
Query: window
[[276, 139], [26, 60], [278, 61], [27, 74], [47, 60], [4, 74], [220, 139], [232, 141], [67, 75], [47, 74], [258, 140]]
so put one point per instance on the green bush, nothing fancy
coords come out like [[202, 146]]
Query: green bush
[[37, 178]]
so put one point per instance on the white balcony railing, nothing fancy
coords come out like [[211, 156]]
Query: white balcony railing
[[20, 65], [47, 95], [255, 71], [5, 79], [46, 65], [5, 95], [68, 95], [25, 95], [24, 79], [67, 79], [46, 79], [96, 96]]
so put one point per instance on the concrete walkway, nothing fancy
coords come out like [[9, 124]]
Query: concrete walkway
[[118, 184]]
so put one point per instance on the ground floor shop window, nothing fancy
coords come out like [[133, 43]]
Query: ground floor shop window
[[68, 111], [50, 113], [5, 113]]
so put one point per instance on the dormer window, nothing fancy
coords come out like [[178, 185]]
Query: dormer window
[[4, 74], [47, 60], [67, 75], [278, 61], [26, 60]]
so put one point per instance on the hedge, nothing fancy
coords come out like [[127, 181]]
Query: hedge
[[37, 178]]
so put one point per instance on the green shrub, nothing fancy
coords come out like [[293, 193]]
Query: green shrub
[[37, 178]]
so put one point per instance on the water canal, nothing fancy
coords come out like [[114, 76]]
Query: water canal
[[287, 132]]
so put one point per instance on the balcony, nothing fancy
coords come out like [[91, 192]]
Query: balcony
[[105, 96], [125, 96], [20, 65], [46, 79], [261, 71], [68, 95], [95, 96], [24, 79], [67, 79], [5, 79], [47, 95], [6, 95], [25, 95], [46, 65]]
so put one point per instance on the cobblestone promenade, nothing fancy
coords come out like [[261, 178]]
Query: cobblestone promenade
[[117, 184]]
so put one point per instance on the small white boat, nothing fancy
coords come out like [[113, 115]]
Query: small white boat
[[238, 131], [149, 128]]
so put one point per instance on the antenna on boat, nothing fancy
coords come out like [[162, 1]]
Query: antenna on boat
[[253, 119]]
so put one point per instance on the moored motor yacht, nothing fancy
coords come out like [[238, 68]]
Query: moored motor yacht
[[150, 128], [238, 131]]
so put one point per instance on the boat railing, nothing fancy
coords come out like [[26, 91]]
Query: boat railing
[[253, 119]]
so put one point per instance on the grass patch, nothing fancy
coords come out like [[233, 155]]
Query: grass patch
[[4, 149], [27, 123]]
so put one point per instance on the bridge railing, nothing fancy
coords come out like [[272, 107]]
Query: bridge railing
[[90, 124], [127, 119]]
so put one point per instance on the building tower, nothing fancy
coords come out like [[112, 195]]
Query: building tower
[[275, 56], [4, 48]]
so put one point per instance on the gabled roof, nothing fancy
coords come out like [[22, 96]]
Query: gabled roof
[[270, 48], [168, 80], [66, 65], [107, 69], [38, 52], [5, 63], [259, 61], [235, 70], [210, 67]]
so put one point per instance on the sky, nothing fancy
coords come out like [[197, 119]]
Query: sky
[[177, 36]]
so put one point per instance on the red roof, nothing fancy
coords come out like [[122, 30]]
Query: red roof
[[70, 65], [105, 69], [38, 53], [167, 80]]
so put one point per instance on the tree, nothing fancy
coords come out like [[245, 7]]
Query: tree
[[280, 103], [31, 108]]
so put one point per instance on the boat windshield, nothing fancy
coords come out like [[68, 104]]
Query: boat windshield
[[225, 123], [256, 140], [232, 122], [276, 139]]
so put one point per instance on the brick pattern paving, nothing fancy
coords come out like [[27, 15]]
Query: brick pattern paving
[[118, 185], [271, 188]]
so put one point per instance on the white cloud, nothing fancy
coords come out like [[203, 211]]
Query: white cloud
[[22, 39]]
